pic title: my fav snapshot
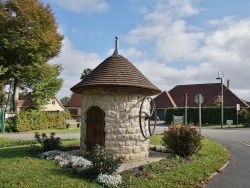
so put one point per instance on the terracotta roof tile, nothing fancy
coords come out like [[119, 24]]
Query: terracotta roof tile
[[75, 101], [162, 101], [116, 71], [209, 91]]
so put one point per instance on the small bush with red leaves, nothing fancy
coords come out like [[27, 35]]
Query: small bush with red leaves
[[48, 143], [182, 140]]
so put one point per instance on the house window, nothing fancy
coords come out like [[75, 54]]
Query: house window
[[53, 103]]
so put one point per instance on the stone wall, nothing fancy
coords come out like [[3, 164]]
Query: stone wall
[[122, 132]]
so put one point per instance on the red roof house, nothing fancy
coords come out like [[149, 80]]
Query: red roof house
[[211, 92], [74, 105]]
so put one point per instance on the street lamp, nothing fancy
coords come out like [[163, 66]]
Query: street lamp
[[221, 80]]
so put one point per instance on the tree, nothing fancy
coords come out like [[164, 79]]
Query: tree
[[64, 100], [2, 70], [2, 88], [45, 85], [28, 39], [217, 101], [85, 73]]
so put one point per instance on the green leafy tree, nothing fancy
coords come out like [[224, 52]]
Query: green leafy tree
[[2, 70], [85, 73], [29, 38], [64, 100], [217, 101], [45, 85], [2, 88]]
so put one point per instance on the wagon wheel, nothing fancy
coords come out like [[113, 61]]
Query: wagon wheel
[[147, 116]]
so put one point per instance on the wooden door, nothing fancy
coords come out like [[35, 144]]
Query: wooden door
[[95, 127]]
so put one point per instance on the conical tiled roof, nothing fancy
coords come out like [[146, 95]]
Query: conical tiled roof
[[116, 71]]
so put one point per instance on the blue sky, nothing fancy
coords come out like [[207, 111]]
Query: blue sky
[[172, 42]]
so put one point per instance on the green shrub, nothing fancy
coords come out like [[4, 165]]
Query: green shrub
[[103, 162], [210, 115], [50, 143], [182, 140], [37, 120], [7, 142], [246, 115]]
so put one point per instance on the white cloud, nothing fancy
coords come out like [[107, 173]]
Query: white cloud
[[74, 62], [83, 6], [203, 52], [173, 38]]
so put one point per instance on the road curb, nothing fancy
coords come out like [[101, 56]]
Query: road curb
[[219, 170]]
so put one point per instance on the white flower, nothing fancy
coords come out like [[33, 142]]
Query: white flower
[[109, 180], [80, 162], [50, 155], [158, 148], [70, 161]]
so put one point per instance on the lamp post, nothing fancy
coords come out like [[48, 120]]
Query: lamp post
[[221, 80]]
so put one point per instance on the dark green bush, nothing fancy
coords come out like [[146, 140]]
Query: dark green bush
[[246, 115], [48, 143], [209, 115], [103, 162], [182, 140]]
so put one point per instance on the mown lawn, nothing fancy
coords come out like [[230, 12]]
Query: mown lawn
[[19, 167]]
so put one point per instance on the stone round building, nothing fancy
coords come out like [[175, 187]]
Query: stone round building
[[111, 100]]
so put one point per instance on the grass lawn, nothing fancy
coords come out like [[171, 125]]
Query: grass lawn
[[20, 168], [72, 129]]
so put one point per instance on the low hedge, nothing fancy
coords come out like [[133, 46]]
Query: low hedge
[[210, 115], [37, 120], [7, 142]]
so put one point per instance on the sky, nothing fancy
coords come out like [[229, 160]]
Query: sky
[[172, 42]]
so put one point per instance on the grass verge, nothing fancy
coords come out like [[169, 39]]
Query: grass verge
[[20, 168], [72, 129], [180, 172]]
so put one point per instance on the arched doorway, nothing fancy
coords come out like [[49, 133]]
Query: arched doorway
[[95, 127]]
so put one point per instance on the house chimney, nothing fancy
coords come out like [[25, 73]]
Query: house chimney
[[228, 83]]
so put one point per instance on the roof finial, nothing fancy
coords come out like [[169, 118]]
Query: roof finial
[[116, 52]]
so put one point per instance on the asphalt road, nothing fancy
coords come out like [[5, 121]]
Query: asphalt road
[[237, 172]]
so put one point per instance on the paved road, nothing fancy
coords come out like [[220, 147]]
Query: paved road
[[237, 142]]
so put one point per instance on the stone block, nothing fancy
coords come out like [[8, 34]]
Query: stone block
[[126, 150], [134, 157], [129, 143], [108, 98], [120, 130], [132, 98], [136, 149], [119, 138], [109, 144], [132, 130], [133, 136], [114, 150], [125, 137], [108, 130]]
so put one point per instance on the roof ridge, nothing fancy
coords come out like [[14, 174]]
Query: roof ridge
[[171, 99]]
